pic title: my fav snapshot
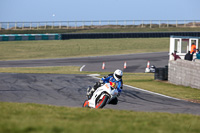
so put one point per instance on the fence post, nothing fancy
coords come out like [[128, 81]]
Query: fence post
[[67, 24], [142, 23], [23, 25], [83, 25], [167, 23], [150, 24], [45, 26], [15, 25], [52, 25], [60, 25], [124, 23], [7, 25], [37, 26], [0, 26], [159, 24], [184, 23]]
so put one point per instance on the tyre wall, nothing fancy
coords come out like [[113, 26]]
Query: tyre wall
[[126, 35], [22, 37]]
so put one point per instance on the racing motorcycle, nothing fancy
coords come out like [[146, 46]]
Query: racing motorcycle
[[102, 96]]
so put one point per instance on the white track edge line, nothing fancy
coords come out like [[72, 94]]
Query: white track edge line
[[151, 92], [81, 69]]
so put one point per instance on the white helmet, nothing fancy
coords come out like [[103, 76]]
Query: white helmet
[[118, 74]]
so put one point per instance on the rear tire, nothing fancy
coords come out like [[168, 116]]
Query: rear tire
[[114, 101], [102, 102]]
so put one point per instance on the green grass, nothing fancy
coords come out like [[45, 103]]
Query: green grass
[[25, 118], [49, 70], [147, 82], [14, 50], [141, 80]]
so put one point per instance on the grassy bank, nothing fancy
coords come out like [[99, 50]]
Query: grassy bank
[[147, 82], [141, 80], [14, 50], [24, 118], [101, 30]]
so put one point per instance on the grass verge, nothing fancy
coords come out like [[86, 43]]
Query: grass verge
[[147, 82], [25, 118], [141, 80], [15, 50], [102, 30]]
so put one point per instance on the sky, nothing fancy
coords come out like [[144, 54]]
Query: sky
[[86, 10]]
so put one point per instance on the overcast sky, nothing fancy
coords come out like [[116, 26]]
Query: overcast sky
[[70, 10]]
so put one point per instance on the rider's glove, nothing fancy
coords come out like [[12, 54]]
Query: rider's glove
[[101, 81]]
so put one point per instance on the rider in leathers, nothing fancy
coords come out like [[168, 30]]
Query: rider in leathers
[[115, 78]]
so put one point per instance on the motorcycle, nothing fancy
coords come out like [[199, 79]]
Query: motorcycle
[[102, 96]]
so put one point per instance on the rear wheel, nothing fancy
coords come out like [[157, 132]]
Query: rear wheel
[[86, 104], [114, 101], [102, 102]]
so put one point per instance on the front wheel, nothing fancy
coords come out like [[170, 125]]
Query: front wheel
[[102, 102], [86, 104]]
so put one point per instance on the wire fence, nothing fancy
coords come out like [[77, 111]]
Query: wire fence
[[98, 24]]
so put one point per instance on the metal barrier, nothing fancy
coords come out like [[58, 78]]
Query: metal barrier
[[98, 24]]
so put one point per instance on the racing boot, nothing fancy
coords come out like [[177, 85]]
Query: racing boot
[[90, 91]]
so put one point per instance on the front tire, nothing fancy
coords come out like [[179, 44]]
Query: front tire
[[102, 102], [86, 104]]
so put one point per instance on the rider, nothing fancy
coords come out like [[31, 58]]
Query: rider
[[116, 78]]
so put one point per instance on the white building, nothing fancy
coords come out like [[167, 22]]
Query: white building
[[182, 44]]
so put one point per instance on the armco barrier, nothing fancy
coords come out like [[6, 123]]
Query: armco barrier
[[22, 37], [126, 35]]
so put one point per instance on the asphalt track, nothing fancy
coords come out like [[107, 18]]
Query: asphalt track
[[70, 90], [135, 62]]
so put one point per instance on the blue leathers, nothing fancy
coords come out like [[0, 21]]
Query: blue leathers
[[112, 79], [198, 55]]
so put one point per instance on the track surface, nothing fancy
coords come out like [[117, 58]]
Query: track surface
[[135, 62], [70, 90]]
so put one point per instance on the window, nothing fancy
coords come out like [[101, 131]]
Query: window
[[185, 46], [177, 46]]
